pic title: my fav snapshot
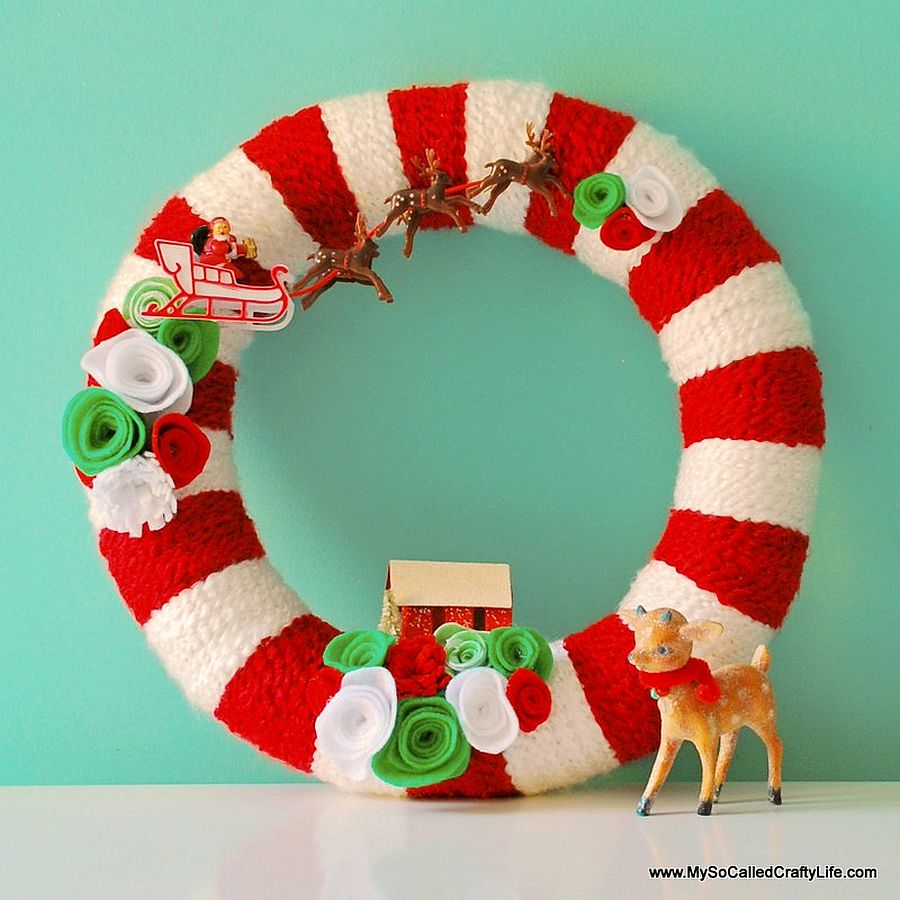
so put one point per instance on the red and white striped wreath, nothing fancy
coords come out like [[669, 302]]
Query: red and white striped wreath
[[245, 648]]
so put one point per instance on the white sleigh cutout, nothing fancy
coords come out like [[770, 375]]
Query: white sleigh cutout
[[211, 293]]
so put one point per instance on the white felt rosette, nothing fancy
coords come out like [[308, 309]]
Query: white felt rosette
[[653, 199], [132, 494], [358, 720], [149, 377], [487, 718]]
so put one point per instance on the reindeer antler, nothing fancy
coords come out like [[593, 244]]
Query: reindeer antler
[[541, 146], [432, 164], [361, 232]]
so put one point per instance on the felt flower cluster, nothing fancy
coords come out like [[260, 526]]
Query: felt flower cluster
[[630, 212], [127, 433], [411, 710]]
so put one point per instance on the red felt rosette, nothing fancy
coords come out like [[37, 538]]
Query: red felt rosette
[[530, 698], [417, 665], [180, 446], [624, 231], [113, 323]]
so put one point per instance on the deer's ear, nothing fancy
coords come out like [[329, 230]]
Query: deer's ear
[[630, 618], [700, 631]]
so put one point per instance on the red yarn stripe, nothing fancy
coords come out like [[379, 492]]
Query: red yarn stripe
[[174, 222], [752, 566], [585, 138], [214, 398], [210, 531], [765, 397], [297, 153], [266, 700], [622, 707], [715, 240], [485, 777], [432, 118]]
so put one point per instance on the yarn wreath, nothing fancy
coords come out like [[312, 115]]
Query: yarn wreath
[[240, 642]]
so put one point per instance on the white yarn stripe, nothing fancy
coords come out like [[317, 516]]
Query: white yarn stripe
[[361, 130], [643, 146], [206, 633], [242, 192], [659, 584], [752, 481], [569, 747], [496, 113], [755, 311], [133, 268], [325, 770], [219, 473]]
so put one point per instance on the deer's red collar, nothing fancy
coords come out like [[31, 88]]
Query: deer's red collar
[[706, 691]]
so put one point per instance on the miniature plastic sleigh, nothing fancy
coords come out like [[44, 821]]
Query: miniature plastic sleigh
[[212, 293]]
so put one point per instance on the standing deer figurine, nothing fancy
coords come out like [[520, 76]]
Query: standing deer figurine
[[353, 265], [410, 204], [536, 172], [706, 708]]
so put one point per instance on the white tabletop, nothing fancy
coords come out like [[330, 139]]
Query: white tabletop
[[299, 841]]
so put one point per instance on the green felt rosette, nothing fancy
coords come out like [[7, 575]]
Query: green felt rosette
[[100, 430], [466, 649], [519, 648], [597, 197], [195, 342], [157, 291], [426, 746], [357, 650]]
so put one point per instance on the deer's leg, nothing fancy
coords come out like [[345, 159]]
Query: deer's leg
[[307, 300], [464, 201], [774, 749], [411, 228], [380, 287], [442, 206], [706, 748], [496, 191], [727, 743], [668, 750], [314, 272], [389, 220], [552, 179], [547, 195]]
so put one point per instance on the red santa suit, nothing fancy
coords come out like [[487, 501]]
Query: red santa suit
[[220, 252]]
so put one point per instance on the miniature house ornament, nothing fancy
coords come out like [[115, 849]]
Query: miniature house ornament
[[525, 716], [426, 595]]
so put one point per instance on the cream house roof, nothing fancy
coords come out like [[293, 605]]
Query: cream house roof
[[418, 583]]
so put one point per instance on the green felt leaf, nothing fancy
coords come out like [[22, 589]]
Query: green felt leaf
[[426, 746], [357, 649], [197, 343], [597, 197], [518, 647], [100, 430]]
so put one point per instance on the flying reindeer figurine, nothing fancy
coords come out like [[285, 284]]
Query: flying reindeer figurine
[[410, 204], [536, 172], [353, 265], [706, 708]]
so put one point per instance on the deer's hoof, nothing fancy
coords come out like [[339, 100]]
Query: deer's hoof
[[716, 794], [643, 808], [775, 796], [705, 808]]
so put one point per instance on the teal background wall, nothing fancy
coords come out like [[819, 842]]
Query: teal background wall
[[509, 405]]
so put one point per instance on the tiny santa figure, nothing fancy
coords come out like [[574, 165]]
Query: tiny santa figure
[[215, 245]]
